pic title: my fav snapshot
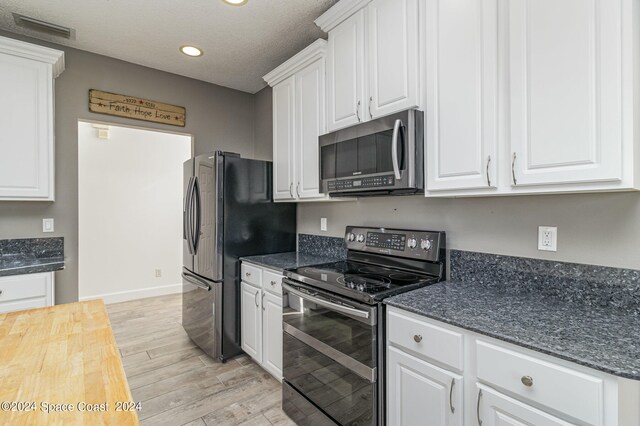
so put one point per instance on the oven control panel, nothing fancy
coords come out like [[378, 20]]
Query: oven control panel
[[423, 245]]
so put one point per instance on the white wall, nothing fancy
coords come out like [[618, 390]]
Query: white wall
[[130, 212]]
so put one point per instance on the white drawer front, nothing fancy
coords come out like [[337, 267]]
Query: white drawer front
[[251, 274], [21, 305], [426, 339], [17, 287], [557, 387], [272, 282]]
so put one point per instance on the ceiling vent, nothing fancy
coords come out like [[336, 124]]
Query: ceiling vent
[[44, 27]]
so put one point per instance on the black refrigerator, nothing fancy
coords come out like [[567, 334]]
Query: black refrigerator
[[228, 213]]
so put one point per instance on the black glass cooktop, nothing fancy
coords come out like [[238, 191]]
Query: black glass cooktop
[[361, 281]]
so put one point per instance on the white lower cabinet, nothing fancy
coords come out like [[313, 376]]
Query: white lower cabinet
[[261, 317], [421, 393], [499, 383], [28, 291]]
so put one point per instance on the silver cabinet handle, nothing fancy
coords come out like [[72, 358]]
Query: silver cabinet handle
[[263, 295], [488, 177], [394, 148], [478, 408], [291, 189], [417, 338], [255, 299], [273, 283], [370, 100], [453, 382], [527, 381], [358, 110], [0, 292], [298, 189], [513, 169]]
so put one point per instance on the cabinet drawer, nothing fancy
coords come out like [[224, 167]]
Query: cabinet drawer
[[424, 338], [251, 274], [26, 286], [21, 305], [272, 282], [554, 386]]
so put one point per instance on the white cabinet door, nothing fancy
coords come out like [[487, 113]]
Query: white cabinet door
[[461, 96], [565, 89], [28, 291], [310, 123], [283, 139], [495, 409], [251, 321], [272, 334], [26, 129], [394, 56], [345, 73], [422, 394]]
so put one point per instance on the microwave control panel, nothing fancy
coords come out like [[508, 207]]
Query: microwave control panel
[[364, 182]]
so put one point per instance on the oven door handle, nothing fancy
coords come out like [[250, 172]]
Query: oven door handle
[[329, 305]]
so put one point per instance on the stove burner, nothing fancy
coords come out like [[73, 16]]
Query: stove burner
[[372, 270], [365, 282], [403, 276]]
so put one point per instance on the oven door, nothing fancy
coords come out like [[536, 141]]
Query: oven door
[[330, 362]]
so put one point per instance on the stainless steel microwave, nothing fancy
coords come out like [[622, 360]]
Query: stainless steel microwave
[[380, 157]]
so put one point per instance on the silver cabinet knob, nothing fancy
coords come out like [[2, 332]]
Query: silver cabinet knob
[[0, 292], [248, 274], [273, 283], [417, 338], [527, 381]]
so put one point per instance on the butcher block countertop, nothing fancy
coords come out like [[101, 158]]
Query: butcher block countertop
[[60, 365]]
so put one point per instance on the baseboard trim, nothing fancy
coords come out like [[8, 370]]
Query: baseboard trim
[[142, 293]]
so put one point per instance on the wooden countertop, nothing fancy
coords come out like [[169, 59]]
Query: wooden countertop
[[63, 354]]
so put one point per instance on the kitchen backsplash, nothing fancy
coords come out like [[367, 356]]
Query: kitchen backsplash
[[572, 282], [319, 245], [35, 247]]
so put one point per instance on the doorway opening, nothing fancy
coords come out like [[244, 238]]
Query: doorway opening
[[129, 211]]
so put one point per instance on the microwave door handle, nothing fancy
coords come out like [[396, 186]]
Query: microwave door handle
[[329, 305], [394, 148]]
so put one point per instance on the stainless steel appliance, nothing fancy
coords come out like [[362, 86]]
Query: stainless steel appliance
[[228, 213], [380, 157], [334, 325]]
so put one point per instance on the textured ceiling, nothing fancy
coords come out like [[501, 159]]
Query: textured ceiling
[[241, 44]]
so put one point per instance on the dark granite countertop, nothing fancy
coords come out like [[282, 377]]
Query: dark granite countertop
[[282, 261], [31, 255], [600, 337]]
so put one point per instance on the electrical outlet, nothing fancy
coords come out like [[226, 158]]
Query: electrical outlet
[[47, 225], [547, 238], [158, 273], [323, 223]]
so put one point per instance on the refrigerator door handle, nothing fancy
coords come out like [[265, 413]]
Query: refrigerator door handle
[[187, 228], [198, 217]]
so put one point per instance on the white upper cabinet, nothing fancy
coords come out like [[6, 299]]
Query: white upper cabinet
[[345, 79], [527, 97], [310, 123], [299, 117], [394, 56], [373, 59], [283, 134], [565, 86], [461, 94], [26, 120]]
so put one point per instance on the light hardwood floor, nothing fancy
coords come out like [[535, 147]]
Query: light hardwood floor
[[177, 383]]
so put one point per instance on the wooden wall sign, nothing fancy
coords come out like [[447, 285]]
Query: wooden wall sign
[[136, 108]]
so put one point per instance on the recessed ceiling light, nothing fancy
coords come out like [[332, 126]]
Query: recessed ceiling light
[[235, 2], [191, 51]]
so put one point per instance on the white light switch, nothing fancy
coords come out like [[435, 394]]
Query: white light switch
[[323, 223], [547, 238], [47, 225]]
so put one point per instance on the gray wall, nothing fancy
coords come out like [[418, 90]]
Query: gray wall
[[601, 229], [217, 117], [264, 124]]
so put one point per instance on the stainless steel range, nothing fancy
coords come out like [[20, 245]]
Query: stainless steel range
[[333, 339]]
